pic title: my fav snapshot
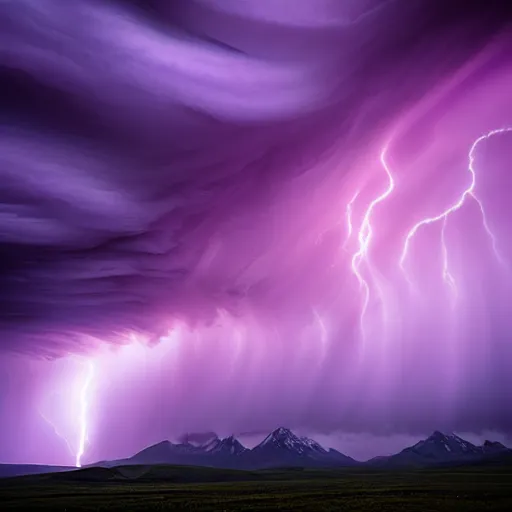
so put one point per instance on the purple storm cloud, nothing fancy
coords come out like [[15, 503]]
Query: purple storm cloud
[[230, 215]]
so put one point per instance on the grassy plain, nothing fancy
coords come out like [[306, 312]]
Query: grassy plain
[[154, 488]]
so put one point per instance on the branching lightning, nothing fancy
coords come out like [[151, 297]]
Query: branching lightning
[[365, 236], [447, 276], [324, 333], [321, 326], [83, 419], [348, 217], [57, 433], [468, 192], [365, 233], [348, 222], [490, 234]]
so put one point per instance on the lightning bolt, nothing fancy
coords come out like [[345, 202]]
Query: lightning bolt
[[365, 236], [348, 217], [84, 406], [324, 334], [56, 432], [447, 276], [468, 192], [348, 221], [488, 230], [322, 327]]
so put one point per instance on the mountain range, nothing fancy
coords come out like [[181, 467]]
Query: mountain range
[[283, 448]]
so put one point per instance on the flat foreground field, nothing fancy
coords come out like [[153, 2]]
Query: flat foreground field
[[203, 489]]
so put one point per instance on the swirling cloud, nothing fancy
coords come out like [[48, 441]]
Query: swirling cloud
[[184, 172]]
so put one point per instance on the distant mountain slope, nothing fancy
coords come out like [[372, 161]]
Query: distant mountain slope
[[9, 470], [494, 448], [221, 453], [440, 449]]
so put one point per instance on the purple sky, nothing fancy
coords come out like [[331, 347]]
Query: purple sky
[[207, 222]]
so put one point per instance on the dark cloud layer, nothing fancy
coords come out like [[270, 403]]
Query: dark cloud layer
[[130, 141]]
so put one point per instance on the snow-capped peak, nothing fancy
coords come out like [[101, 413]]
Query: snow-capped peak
[[285, 439], [229, 445], [280, 435], [450, 443], [282, 432]]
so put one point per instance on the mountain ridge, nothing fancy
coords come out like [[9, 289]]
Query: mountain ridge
[[282, 447], [440, 449]]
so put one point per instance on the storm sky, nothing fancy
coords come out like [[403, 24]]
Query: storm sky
[[233, 215]]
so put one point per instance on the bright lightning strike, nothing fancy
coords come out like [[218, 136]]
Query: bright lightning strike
[[365, 236], [469, 191], [84, 406]]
